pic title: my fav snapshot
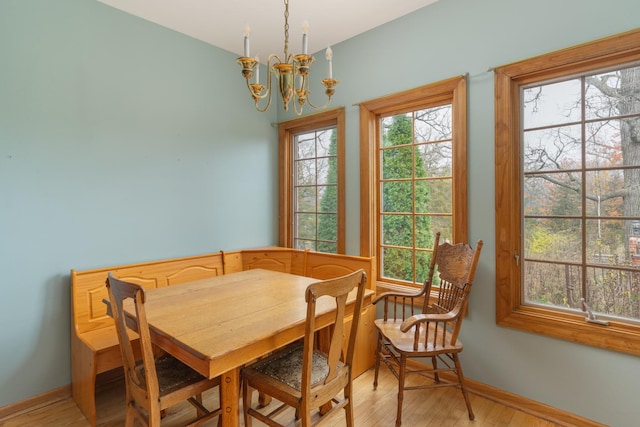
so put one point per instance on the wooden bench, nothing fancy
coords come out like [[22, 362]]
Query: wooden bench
[[94, 344]]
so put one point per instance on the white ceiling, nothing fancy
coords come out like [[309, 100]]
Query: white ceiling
[[222, 24]]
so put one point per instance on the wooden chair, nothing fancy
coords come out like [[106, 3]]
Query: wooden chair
[[153, 384], [303, 377], [433, 333]]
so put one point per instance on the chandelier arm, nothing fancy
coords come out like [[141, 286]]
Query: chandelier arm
[[269, 78], [322, 107], [258, 97], [330, 85]]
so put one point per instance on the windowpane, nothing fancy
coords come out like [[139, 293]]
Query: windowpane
[[306, 226], [306, 172], [551, 104], [552, 239], [434, 159], [604, 144], [397, 264], [325, 145], [552, 194], [606, 243], [435, 196], [605, 91], [422, 265], [396, 130], [397, 230], [433, 124], [305, 146], [443, 224], [330, 247], [605, 190], [614, 292], [328, 196], [328, 227], [305, 199], [424, 235], [556, 148], [553, 284], [396, 163], [305, 244], [397, 196], [326, 170]]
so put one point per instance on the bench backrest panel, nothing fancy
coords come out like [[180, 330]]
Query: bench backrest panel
[[88, 287], [318, 265], [324, 266], [269, 259]]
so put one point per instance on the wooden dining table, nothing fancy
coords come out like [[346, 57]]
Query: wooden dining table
[[218, 325]]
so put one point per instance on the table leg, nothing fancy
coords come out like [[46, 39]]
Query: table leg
[[230, 396]]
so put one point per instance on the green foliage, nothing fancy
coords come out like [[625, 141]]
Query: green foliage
[[401, 199], [328, 222]]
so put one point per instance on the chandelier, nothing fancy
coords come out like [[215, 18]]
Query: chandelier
[[292, 74]]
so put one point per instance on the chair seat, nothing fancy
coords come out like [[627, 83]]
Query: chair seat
[[286, 367], [403, 341], [173, 374]]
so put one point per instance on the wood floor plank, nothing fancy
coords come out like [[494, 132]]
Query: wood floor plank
[[422, 408]]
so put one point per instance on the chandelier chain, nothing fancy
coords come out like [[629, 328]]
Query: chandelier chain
[[286, 28]]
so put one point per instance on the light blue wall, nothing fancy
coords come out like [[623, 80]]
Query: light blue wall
[[121, 141]]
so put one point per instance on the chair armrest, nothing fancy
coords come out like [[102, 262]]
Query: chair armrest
[[426, 318]]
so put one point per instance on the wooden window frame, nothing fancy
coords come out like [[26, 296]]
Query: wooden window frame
[[453, 90], [510, 310], [286, 131]]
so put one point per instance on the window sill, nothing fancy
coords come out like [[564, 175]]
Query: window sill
[[617, 336]]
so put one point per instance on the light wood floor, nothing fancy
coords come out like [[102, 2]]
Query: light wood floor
[[422, 408]]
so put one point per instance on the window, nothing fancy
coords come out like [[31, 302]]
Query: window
[[312, 182], [568, 193], [413, 178]]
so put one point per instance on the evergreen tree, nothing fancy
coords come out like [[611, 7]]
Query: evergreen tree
[[328, 217], [401, 198]]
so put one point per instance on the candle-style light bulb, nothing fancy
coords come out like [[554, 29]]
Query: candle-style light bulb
[[305, 42], [247, 51], [329, 56]]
